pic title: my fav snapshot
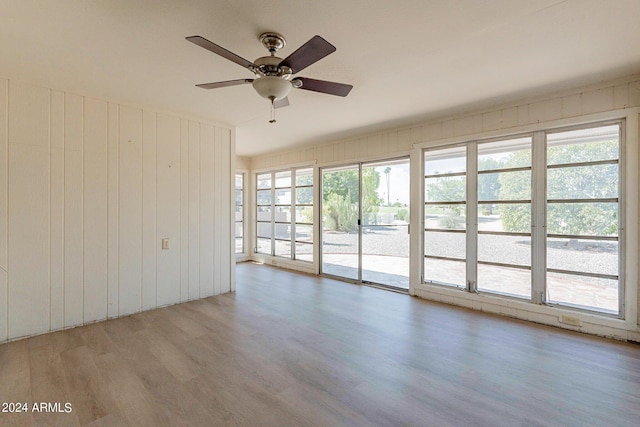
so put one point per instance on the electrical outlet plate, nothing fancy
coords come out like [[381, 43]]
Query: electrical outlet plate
[[570, 320]]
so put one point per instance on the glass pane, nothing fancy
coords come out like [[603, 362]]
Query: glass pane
[[504, 280], [264, 180], [340, 254], [340, 205], [239, 229], [283, 196], [589, 256], [514, 250], [239, 211], [446, 189], [445, 217], [264, 197], [283, 214], [264, 229], [509, 217], [263, 246], [283, 248], [283, 231], [437, 243], [239, 245], [586, 219], [504, 186], [283, 179], [385, 255], [263, 213], [304, 195], [447, 160], [583, 145], [239, 180], [304, 214], [304, 251], [445, 272], [583, 182], [304, 177], [587, 292], [512, 153], [304, 233], [238, 197]]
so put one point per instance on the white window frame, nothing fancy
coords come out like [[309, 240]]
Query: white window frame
[[538, 214], [292, 205]]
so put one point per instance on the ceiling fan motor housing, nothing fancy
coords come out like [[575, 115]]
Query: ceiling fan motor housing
[[269, 66]]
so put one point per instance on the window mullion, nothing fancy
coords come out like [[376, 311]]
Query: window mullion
[[292, 207], [538, 219], [273, 213], [472, 217]]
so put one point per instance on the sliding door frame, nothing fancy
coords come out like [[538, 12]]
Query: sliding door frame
[[359, 165]]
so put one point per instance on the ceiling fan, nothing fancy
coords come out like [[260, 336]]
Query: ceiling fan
[[273, 75]]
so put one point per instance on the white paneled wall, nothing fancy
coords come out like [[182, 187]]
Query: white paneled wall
[[88, 190]]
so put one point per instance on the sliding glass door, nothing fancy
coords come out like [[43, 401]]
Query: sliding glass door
[[365, 222]]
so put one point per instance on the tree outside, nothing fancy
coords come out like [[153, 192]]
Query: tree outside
[[340, 198]]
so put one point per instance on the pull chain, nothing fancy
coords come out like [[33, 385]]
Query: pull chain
[[273, 110]]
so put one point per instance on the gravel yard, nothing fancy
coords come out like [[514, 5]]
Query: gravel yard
[[382, 244]]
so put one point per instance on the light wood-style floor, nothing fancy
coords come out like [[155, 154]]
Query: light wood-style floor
[[295, 350]]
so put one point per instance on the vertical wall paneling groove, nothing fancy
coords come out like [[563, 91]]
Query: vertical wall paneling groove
[[184, 210], [226, 235], [219, 232], [57, 212], [168, 210], [228, 213], [4, 187], [130, 211], [206, 251], [73, 205], [231, 222], [149, 245], [95, 210], [113, 177], [28, 210], [194, 210]]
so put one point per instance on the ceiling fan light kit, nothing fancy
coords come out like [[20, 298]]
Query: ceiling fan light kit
[[273, 75]]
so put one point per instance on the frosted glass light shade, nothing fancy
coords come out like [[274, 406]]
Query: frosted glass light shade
[[272, 87]]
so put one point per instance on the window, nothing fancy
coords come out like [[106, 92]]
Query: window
[[445, 216], [239, 226], [504, 217], [304, 215], [565, 181], [583, 218], [264, 209], [284, 217]]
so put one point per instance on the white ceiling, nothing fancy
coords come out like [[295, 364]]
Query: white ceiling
[[407, 59]]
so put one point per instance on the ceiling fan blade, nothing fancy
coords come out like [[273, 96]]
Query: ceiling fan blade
[[216, 85], [219, 50], [332, 88], [307, 54], [284, 102]]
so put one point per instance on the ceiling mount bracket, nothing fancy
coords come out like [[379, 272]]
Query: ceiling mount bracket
[[272, 41]]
